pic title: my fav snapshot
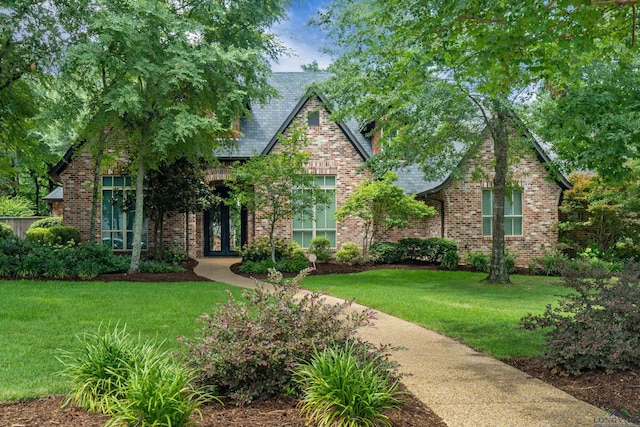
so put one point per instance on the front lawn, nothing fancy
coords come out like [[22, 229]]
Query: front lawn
[[457, 304], [38, 318]]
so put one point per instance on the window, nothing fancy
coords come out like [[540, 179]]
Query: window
[[321, 224], [512, 213], [117, 223], [313, 119]]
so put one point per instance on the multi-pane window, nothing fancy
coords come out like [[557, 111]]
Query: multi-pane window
[[512, 213], [321, 222], [117, 222]]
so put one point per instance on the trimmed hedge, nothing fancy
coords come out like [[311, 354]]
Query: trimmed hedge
[[5, 230], [431, 249], [55, 235], [53, 221]]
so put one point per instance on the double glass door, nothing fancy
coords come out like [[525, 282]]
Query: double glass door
[[225, 227]]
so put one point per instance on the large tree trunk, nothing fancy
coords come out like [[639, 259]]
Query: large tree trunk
[[498, 272], [139, 217]]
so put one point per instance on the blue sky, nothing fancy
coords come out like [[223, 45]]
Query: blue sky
[[304, 41]]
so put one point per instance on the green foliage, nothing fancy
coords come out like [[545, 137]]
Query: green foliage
[[98, 372], [266, 184], [450, 260], [159, 267], [479, 261], [599, 214], [164, 94], [15, 206], [340, 390], [551, 263], [597, 326], [350, 253], [430, 249], [382, 206], [5, 230], [30, 258], [320, 248], [132, 381], [385, 253], [174, 255], [284, 266], [46, 222], [54, 235], [249, 349], [260, 250]]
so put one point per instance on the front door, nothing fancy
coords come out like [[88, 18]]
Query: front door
[[225, 227]]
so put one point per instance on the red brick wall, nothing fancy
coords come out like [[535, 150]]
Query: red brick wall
[[463, 203], [331, 154]]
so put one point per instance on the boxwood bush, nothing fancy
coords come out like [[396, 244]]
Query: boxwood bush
[[5, 230], [52, 221]]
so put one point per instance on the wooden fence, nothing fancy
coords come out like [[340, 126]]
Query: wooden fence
[[21, 224]]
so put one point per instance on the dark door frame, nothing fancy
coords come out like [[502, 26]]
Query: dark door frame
[[225, 249]]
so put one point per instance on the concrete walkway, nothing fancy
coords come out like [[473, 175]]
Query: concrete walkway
[[464, 387]]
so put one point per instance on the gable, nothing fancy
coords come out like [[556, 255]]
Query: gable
[[260, 130]]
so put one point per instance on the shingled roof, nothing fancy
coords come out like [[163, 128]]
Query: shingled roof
[[261, 128]]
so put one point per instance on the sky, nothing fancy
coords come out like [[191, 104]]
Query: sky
[[305, 42]]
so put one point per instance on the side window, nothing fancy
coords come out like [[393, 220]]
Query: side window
[[512, 213], [117, 221]]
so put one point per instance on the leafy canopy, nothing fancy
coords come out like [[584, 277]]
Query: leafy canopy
[[382, 206]]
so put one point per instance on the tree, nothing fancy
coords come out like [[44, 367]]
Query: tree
[[415, 69], [179, 74], [382, 206], [268, 184], [600, 213], [177, 187], [594, 120]]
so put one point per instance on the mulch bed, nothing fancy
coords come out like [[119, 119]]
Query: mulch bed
[[619, 391]]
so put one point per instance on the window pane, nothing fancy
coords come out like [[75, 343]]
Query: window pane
[[487, 202], [508, 205], [486, 226], [330, 181], [517, 202], [107, 181], [118, 181], [107, 215], [517, 226], [508, 226]]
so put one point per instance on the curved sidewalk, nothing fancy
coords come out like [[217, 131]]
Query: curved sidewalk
[[464, 387]]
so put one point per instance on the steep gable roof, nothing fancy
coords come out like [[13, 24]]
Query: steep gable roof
[[261, 128]]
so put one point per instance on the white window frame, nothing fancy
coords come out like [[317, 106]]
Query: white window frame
[[512, 219], [303, 231]]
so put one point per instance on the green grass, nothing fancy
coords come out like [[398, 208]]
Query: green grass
[[456, 304], [39, 318]]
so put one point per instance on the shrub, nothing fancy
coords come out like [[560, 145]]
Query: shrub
[[340, 390], [551, 263], [450, 260], [295, 252], [175, 255], [260, 250], [55, 235], [510, 261], [350, 253], [479, 261], [15, 206], [431, 249], [320, 248], [597, 326], [385, 253], [249, 349], [132, 381], [40, 235], [159, 267], [49, 222], [263, 267], [5, 230]]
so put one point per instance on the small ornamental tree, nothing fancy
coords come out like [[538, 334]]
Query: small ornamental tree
[[174, 188], [382, 206], [267, 184], [599, 213]]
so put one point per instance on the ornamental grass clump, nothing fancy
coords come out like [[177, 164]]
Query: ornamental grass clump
[[340, 389], [133, 382], [249, 349]]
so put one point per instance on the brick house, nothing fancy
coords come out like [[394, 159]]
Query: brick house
[[338, 151]]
